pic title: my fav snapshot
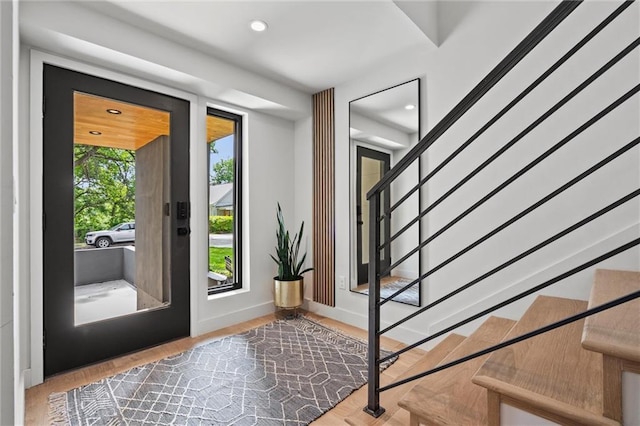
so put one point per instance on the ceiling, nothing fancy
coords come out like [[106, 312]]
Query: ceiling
[[128, 126], [132, 128], [309, 45]]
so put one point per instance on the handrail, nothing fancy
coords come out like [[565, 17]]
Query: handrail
[[538, 34], [518, 174], [586, 83], [511, 104], [376, 214], [513, 341], [513, 260], [517, 297]]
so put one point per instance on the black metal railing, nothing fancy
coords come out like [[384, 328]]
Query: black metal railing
[[562, 11]]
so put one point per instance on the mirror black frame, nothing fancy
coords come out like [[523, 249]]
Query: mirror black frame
[[353, 146]]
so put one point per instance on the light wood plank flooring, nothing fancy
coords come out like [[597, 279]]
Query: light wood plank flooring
[[36, 397], [383, 281]]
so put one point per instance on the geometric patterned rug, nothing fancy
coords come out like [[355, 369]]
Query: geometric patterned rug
[[410, 296], [288, 372]]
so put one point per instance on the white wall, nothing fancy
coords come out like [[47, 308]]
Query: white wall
[[303, 188], [268, 154], [9, 350], [6, 198], [475, 36]]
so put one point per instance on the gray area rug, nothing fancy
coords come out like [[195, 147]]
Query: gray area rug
[[410, 296], [288, 372]]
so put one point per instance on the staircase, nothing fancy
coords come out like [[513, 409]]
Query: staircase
[[564, 361], [570, 375]]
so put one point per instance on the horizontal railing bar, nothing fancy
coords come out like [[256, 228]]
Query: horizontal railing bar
[[526, 168], [518, 339], [535, 205], [495, 75], [506, 147], [513, 103], [517, 258], [517, 297]]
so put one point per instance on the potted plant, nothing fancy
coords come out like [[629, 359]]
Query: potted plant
[[289, 283]]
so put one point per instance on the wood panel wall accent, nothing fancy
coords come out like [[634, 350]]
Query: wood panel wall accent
[[323, 198]]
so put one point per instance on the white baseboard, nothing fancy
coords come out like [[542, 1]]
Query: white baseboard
[[231, 318], [22, 384], [399, 333]]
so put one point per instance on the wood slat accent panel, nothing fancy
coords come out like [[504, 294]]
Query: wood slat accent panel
[[323, 198]]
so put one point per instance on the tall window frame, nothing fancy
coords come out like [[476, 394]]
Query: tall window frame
[[236, 282]]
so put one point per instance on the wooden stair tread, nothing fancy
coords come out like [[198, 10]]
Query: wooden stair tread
[[550, 371], [616, 331], [448, 397], [389, 399]]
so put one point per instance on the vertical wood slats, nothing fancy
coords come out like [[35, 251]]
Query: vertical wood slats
[[323, 198]]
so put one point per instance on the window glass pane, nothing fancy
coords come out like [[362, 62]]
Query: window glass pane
[[121, 174], [222, 206]]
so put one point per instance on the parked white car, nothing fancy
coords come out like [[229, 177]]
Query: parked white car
[[121, 233]]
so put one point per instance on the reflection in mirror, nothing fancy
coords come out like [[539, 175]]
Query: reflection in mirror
[[383, 127]]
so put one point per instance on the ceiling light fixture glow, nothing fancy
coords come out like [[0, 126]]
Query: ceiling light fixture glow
[[409, 107], [114, 111], [258, 26], [95, 132]]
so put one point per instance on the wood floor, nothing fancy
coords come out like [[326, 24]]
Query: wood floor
[[383, 281], [36, 397]]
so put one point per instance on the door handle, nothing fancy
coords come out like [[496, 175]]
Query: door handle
[[360, 222], [184, 230]]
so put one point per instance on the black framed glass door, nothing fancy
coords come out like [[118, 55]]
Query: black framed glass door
[[371, 165], [116, 218]]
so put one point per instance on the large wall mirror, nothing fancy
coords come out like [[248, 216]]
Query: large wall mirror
[[383, 127]]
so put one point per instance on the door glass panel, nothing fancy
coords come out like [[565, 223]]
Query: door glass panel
[[221, 141], [372, 170], [121, 225]]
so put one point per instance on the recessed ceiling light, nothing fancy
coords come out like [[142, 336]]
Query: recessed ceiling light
[[114, 111], [95, 132], [409, 107], [258, 26]]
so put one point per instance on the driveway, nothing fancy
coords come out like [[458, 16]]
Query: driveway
[[220, 240]]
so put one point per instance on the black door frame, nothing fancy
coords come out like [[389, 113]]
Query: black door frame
[[363, 268], [68, 346]]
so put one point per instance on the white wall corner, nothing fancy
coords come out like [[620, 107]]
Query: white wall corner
[[424, 14]]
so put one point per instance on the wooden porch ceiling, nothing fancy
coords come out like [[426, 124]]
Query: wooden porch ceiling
[[133, 128]]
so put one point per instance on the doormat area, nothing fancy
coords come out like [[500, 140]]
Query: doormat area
[[288, 372], [409, 296]]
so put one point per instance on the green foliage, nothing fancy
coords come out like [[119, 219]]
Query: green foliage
[[220, 224], [216, 259], [287, 248], [104, 187], [222, 172]]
